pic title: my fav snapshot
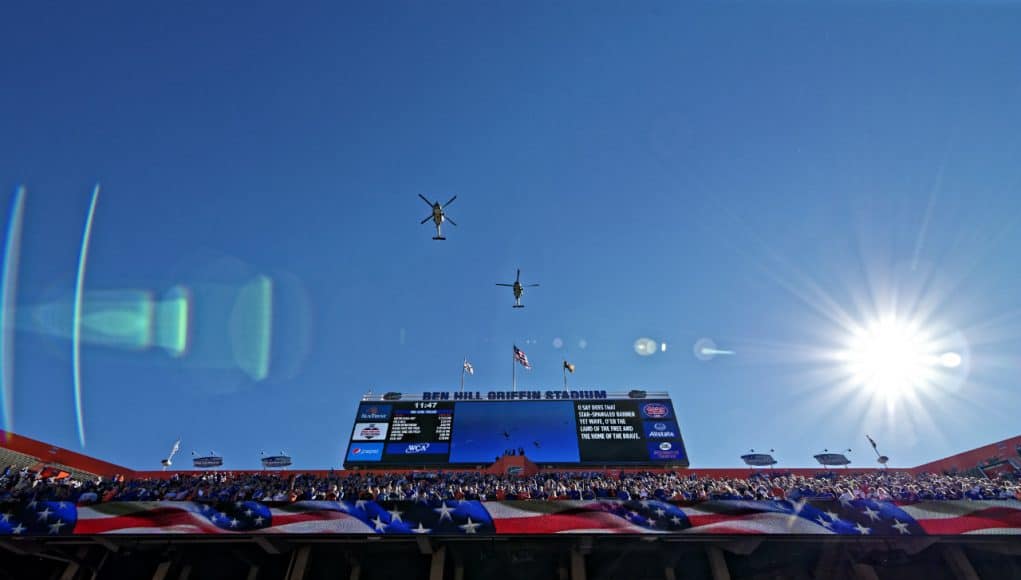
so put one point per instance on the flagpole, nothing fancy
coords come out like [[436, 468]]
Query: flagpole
[[564, 368], [462, 372], [514, 373]]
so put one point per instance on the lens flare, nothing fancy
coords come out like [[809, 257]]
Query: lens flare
[[173, 313], [8, 292], [124, 319], [76, 325], [646, 346], [705, 349], [951, 360], [251, 334]]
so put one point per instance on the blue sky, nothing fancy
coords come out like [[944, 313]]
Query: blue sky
[[755, 173]]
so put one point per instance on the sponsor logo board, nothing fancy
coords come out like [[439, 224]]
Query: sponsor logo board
[[417, 448], [370, 432], [365, 452], [660, 430], [374, 413], [665, 450], [656, 410]]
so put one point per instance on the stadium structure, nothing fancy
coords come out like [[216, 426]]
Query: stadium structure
[[451, 436]]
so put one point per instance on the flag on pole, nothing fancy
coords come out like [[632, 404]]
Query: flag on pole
[[468, 368], [521, 357], [568, 367]]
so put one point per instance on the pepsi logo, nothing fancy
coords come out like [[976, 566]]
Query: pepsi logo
[[656, 410], [356, 450]]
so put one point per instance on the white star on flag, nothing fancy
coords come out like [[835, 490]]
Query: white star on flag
[[444, 511], [873, 514], [799, 505], [862, 529], [380, 524], [395, 515], [901, 527], [470, 527], [421, 529]]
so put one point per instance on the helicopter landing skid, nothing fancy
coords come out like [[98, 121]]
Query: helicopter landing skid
[[439, 238], [518, 306]]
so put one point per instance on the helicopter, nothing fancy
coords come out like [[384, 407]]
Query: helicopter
[[519, 289], [438, 216]]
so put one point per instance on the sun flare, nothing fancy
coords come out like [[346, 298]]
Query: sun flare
[[891, 357]]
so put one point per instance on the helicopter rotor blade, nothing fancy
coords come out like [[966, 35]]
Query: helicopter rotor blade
[[425, 200], [447, 217], [532, 286], [518, 277], [507, 285], [427, 218], [450, 201]]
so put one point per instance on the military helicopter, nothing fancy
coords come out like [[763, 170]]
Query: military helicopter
[[519, 289], [438, 215]]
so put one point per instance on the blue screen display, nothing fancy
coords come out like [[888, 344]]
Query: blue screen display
[[546, 431]]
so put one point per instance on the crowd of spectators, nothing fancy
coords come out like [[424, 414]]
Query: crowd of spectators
[[272, 487]]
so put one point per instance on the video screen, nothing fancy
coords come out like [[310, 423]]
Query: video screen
[[559, 432]]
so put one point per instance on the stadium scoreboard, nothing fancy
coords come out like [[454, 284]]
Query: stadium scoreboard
[[437, 431]]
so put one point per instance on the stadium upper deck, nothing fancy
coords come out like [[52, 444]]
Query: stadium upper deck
[[227, 524], [992, 459]]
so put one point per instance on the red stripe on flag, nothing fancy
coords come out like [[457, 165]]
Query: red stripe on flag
[[562, 522], [996, 517], [154, 518]]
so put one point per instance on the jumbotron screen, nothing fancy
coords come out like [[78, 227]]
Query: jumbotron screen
[[589, 431]]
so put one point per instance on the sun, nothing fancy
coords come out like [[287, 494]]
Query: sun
[[891, 357]]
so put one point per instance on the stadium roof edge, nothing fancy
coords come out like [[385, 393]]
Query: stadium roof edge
[[51, 454]]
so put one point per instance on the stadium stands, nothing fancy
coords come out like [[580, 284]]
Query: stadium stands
[[274, 488], [98, 520]]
